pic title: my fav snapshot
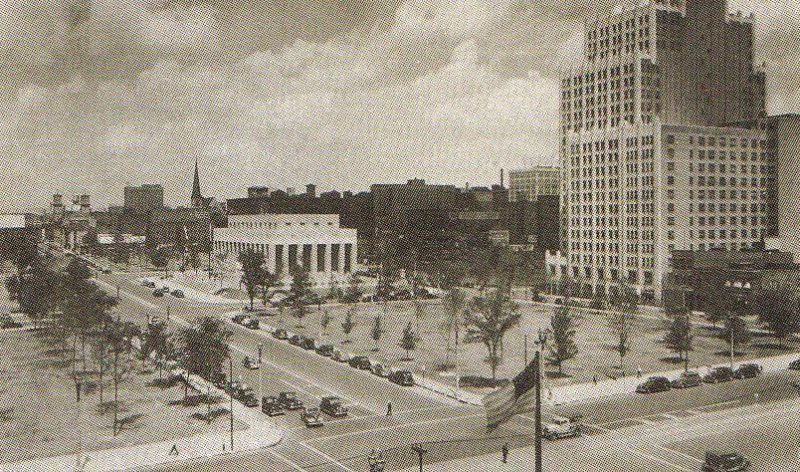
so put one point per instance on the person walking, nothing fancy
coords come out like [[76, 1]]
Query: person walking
[[389, 408], [504, 450], [639, 372]]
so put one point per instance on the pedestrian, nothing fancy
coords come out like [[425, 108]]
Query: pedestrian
[[639, 372], [505, 453], [594, 379], [174, 450], [550, 394], [389, 408]]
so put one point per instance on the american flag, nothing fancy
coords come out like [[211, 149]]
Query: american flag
[[516, 397]]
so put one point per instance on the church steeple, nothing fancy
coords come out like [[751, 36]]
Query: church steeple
[[197, 197]]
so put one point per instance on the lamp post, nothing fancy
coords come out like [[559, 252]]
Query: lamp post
[[260, 351], [230, 395], [421, 452], [542, 339]]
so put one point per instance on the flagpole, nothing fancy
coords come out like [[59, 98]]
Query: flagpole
[[538, 416]]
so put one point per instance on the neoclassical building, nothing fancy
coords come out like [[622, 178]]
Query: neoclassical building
[[315, 242]]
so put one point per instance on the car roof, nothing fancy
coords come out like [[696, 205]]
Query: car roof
[[560, 418]]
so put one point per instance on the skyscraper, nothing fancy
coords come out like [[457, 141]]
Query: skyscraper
[[650, 160]]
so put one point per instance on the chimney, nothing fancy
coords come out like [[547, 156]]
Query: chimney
[[502, 177], [311, 190]]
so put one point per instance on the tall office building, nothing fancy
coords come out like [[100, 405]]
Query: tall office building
[[651, 162], [144, 198], [525, 185]]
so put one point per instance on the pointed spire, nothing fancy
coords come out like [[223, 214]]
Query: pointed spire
[[197, 197]]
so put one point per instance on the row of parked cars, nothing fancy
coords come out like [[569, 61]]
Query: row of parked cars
[[247, 321], [400, 377], [160, 292], [691, 378]]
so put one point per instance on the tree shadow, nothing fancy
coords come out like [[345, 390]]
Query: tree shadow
[[773, 345], [478, 381], [165, 382], [108, 407], [554, 374], [196, 400], [671, 360], [129, 422], [205, 417]]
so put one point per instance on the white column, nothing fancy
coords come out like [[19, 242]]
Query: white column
[[340, 256], [313, 268]]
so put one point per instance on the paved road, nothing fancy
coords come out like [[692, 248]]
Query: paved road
[[452, 431]]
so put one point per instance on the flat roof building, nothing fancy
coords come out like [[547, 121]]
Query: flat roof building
[[528, 184]]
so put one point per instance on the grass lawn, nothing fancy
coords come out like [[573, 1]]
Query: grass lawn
[[596, 357], [39, 417]]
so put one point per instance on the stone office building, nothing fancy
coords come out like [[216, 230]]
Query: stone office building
[[315, 242]]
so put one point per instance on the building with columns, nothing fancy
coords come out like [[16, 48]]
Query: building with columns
[[315, 242]]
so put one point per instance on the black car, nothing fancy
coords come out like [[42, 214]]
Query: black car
[[158, 293], [289, 401], [725, 462], [238, 319], [249, 401], [360, 362], [747, 371], [654, 385], [402, 377], [325, 350], [6, 322], [280, 333], [794, 365], [719, 374], [270, 406], [333, 406], [252, 323], [178, 293], [308, 344], [296, 340], [687, 380]]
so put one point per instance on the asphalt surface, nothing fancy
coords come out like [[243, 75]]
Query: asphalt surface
[[665, 431]]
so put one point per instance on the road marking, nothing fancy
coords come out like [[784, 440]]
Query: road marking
[[658, 459], [397, 426], [327, 457], [285, 459]]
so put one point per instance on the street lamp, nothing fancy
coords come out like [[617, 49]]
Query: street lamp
[[260, 351], [542, 339], [420, 451]]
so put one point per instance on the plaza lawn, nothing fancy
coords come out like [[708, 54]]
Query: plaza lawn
[[596, 357], [39, 418]]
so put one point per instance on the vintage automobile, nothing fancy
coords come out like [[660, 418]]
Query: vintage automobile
[[333, 406], [249, 400], [296, 340], [270, 406], [290, 401], [308, 344], [794, 365], [250, 363], [325, 350], [687, 380], [360, 362], [380, 370], [719, 374], [252, 323], [747, 371], [725, 462], [158, 293], [340, 356], [280, 333], [239, 319], [654, 385], [311, 417], [178, 293], [7, 322], [561, 427], [218, 380], [402, 377]]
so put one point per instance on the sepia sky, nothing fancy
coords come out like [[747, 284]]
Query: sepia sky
[[95, 94]]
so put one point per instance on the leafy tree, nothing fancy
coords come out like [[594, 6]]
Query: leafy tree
[[335, 291], [454, 302], [349, 322], [158, 344], [408, 341], [118, 337], [160, 258], [299, 291], [778, 309], [204, 348], [735, 332], [20, 250], [679, 338], [377, 332], [562, 348], [488, 321], [622, 320], [268, 280], [38, 290], [252, 272], [325, 320], [354, 292]]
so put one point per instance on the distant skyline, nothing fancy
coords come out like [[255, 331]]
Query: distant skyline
[[103, 93]]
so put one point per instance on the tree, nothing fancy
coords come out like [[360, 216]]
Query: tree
[[408, 341], [562, 348], [160, 258], [20, 250], [118, 338], [735, 332], [349, 322], [778, 309], [679, 338], [299, 291], [354, 291], [268, 280], [622, 320], [252, 272], [335, 291], [377, 332], [488, 321], [204, 348], [325, 320], [158, 344], [454, 302]]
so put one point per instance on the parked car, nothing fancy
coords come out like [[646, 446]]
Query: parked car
[[747, 371], [333, 406], [249, 400], [250, 363], [271, 407], [7, 322], [311, 417], [340, 356], [794, 365], [312, 299], [105, 270], [719, 374], [296, 340], [239, 319], [654, 385], [325, 350], [218, 380], [561, 427], [290, 401], [145, 283], [687, 380], [252, 323], [725, 462], [402, 377], [158, 293], [380, 370], [278, 299], [308, 344], [178, 293], [280, 333], [360, 362]]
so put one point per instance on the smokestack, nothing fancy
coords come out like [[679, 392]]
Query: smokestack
[[502, 177]]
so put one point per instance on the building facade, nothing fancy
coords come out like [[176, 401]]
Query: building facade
[[648, 164], [317, 243], [179, 228], [528, 184], [144, 198]]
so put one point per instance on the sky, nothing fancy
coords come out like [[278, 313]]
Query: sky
[[97, 94]]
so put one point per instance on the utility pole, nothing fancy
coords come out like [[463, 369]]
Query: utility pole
[[260, 350], [420, 451], [230, 395], [526, 350], [79, 465], [538, 415]]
